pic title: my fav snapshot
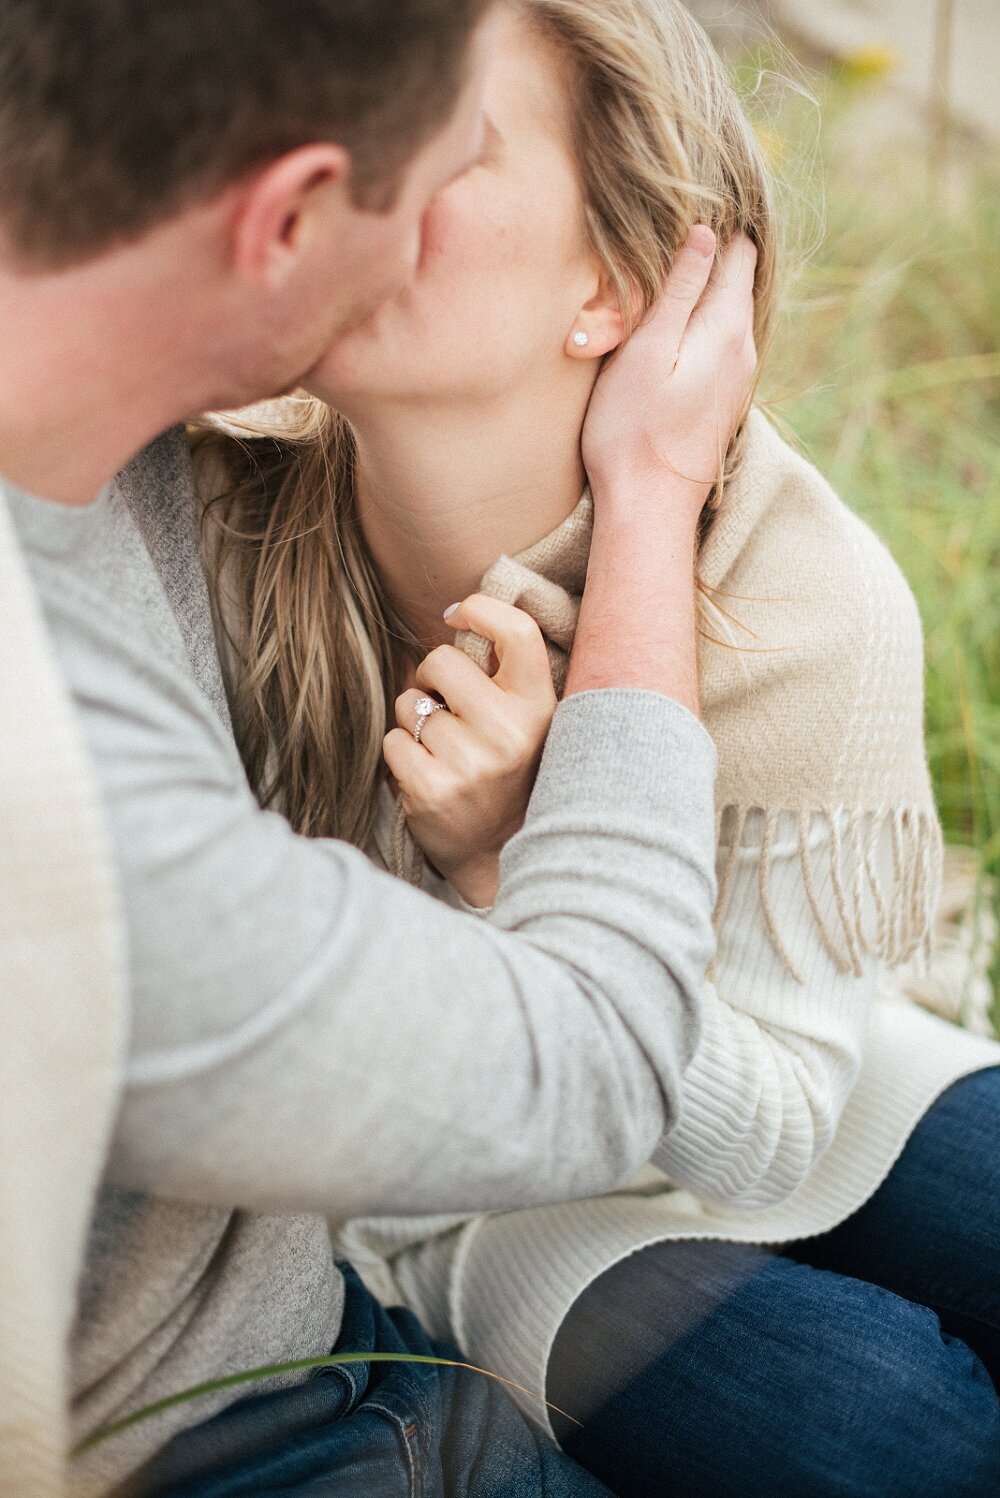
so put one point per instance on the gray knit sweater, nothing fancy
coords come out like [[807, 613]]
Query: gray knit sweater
[[311, 1038]]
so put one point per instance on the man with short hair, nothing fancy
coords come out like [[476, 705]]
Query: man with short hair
[[226, 1032], [210, 192]]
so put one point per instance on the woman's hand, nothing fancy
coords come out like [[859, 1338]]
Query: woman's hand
[[466, 785], [671, 400]]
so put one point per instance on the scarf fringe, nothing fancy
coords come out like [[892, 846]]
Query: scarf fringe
[[891, 918]]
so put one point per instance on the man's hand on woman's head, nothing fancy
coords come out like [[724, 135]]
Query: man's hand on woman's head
[[662, 415], [466, 784], [669, 403]]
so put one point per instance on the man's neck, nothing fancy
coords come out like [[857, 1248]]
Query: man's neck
[[94, 365], [66, 448], [442, 493]]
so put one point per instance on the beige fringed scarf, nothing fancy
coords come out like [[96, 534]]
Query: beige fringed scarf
[[812, 689]]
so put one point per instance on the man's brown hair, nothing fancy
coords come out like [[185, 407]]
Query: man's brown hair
[[115, 114]]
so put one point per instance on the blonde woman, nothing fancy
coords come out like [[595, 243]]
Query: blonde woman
[[682, 1323]]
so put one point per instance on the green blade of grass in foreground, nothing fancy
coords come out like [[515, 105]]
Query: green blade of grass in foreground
[[300, 1365]]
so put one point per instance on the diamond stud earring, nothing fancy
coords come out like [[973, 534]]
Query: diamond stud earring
[[581, 340]]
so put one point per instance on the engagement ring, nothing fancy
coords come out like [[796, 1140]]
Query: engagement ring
[[426, 707]]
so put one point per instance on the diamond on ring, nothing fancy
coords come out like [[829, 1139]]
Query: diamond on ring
[[425, 708]]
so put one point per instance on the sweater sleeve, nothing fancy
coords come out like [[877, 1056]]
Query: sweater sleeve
[[778, 1057], [309, 1033]]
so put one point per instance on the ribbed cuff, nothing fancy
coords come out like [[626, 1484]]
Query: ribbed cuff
[[612, 746]]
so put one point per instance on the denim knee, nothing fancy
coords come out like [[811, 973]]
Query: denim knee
[[925, 1415], [792, 1383]]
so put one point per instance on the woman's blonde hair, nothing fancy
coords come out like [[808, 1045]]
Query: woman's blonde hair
[[662, 143]]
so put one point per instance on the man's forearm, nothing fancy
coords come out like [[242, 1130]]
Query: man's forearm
[[637, 620], [307, 1033]]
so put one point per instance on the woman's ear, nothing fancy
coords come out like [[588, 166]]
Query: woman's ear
[[599, 326]]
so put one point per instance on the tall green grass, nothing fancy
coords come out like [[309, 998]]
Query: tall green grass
[[887, 368]]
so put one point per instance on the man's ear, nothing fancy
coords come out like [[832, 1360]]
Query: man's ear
[[276, 212], [599, 326]]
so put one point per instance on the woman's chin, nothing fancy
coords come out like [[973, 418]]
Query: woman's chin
[[361, 380], [343, 382]]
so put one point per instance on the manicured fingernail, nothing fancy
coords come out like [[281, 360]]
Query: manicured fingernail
[[702, 239], [451, 609]]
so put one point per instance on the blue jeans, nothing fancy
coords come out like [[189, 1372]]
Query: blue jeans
[[370, 1430], [860, 1363]]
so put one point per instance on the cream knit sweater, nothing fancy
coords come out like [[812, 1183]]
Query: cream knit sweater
[[811, 1073], [62, 1027]]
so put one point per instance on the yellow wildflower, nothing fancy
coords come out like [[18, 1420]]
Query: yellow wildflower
[[865, 64]]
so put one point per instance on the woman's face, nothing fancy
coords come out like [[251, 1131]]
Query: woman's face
[[505, 265]]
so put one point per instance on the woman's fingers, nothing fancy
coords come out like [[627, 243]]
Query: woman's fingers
[[523, 661], [473, 699], [407, 760], [435, 724], [466, 785], [448, 673], [523, 664]]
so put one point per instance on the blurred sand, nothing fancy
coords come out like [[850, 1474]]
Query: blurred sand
[[906, 28]]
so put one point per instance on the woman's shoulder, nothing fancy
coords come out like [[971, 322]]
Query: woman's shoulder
[[780, 516], [812, 654], [788, 567]]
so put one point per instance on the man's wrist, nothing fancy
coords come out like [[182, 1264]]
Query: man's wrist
[[649, 491], [637, 619], [660, 521]]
